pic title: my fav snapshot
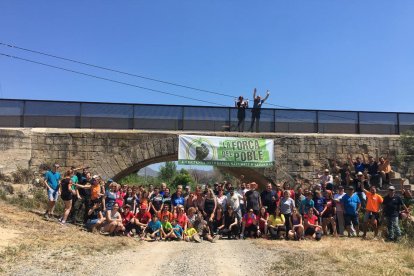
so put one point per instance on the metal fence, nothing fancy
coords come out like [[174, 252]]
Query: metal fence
[[62, 114]]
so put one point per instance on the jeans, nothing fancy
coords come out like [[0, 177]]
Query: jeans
[[240, 125], [255, 117], [393, 228]]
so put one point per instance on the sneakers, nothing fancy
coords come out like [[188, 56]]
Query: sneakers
[[216, 238]]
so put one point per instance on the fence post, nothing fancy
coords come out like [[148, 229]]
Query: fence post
[[182, 119], [317, 121], [358, 123], [229, 119], [23, 114], [80, 115], [133, 116], [397, 127]]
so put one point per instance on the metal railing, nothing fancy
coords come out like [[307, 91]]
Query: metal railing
[[96, 115]]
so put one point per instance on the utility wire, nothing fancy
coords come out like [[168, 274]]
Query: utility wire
[[128, 84], [109, 80]]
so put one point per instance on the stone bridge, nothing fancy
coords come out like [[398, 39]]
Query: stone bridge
[[117, 153]]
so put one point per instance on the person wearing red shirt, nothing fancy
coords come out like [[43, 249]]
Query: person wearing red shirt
[[249, 224], [312, 229], [128, 219], [142, 218], [262, 218]]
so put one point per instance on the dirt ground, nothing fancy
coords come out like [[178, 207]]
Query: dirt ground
[[30, 245]]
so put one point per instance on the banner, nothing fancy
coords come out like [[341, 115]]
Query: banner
[[225, 151]]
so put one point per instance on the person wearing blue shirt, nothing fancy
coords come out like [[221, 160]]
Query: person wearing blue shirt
[[178, 198], [307, 204], [154, 228], [51, 183], [177, 230], [351, 205]]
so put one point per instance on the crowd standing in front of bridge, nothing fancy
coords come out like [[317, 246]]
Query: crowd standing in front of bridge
[[334, 205]]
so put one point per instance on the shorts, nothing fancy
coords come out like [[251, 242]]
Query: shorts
[[91, 223], [52, 195], [66, 197], [371, 215], [351, 218], [309, 231]]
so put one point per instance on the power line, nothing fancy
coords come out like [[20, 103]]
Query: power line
[[158, 80], [116, 71], [109, 80]]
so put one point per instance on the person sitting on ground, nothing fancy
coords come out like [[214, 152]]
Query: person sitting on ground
[[191, 234], [204, 230], [218, 222], [166, 228], [312, 228], [142, 218], [95, 217], [276, 224], [154, 229], [262, 217], [231, 224], [351, 205], [113, 223], [249, 225], [297, 226], [371, 216], [177, 231], [128, 220], [181, 217], [328, 214], [408, 201]]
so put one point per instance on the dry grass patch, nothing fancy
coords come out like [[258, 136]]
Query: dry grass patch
[[51, 245], [341, 256]]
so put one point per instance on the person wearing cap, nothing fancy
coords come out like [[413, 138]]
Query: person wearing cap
[[361, 183], [351, 205], [325, 179], [372, 210], [392, 206], [128, 219]]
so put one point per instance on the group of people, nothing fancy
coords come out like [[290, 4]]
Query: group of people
[[230, 210], [241, 104]]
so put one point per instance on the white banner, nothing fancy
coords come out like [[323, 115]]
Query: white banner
[[225, 151]]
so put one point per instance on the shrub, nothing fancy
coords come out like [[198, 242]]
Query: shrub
[[23, 176]]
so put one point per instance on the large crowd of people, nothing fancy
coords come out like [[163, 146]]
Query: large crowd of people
[[333, 205]]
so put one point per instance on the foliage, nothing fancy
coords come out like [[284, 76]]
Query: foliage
[[135, 179], [406, 156], [168, 172], [23, 175], [183, 178]]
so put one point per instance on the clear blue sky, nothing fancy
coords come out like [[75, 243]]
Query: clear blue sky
[[351, 55]]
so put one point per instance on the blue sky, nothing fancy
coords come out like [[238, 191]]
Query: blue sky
[[351, 55]]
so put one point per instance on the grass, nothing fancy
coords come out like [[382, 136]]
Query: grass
[[44, 243], [333, 256]]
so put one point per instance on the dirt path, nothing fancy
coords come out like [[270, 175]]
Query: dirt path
[[181, 258]]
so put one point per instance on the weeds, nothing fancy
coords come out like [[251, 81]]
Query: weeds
[[23, 176]]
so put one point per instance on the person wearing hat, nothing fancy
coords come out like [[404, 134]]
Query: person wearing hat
[[361, 183], [391, 207], [142, 218], [326, 179], [351, 205], [128, 219]]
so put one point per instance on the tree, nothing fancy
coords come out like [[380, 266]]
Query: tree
[[183, 178], [168, 172]]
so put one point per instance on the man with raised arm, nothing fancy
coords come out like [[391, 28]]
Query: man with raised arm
[[257, 106]]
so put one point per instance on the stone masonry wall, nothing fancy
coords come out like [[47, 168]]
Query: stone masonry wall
[[113, 153]]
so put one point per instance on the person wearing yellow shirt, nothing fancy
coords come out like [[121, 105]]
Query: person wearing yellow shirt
[[276, 224]]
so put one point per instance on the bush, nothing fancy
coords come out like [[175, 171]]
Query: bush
[[23, 176]]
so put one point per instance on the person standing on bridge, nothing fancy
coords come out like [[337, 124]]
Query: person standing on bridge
[[241, 106], [257, 108]]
